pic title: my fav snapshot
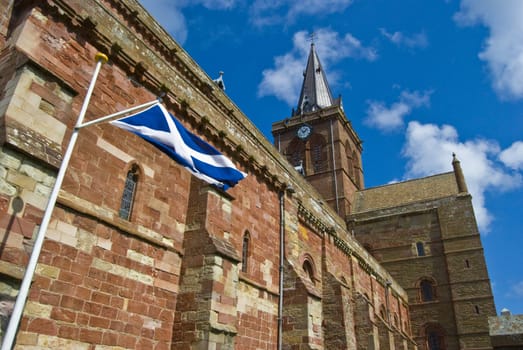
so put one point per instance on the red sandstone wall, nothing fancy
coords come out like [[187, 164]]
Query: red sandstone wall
[[171, 276]]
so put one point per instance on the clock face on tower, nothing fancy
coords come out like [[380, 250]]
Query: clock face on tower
[[304, 131]]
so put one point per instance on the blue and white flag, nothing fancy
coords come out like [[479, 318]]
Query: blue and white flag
[[157, 126]]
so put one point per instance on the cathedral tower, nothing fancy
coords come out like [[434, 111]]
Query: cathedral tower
[[319, 141]]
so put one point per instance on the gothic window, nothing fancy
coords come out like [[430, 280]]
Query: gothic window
[[318, 152], [316, 158], [350, 163], [383, 313], [467, 263], [245, 251], [309, 269], [434, 338], [129, 191], [420, 248], [356, 167], [476, 309], [296, 152], [427, 290]]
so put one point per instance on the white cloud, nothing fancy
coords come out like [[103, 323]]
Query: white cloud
[[516, 290], [270, 12], [503, 49], [417, 40], [391, 118], [168, 13], [284, 80], [513, 156], [429, 147]]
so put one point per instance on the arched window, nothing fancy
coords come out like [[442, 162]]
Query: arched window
[[318, 152], [434, 337], [309, 269], [296, 152], [420, 248], [427, 290], [383, 313], [350, 163], [129, 191], [245, 251], [356, 162]]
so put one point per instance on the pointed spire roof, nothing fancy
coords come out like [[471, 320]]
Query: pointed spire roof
[[315, 92]]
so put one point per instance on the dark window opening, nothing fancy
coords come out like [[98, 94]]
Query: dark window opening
[[427, 290], [434, 340], [245, 251], [317, 159], [420, 248], [307, 267]]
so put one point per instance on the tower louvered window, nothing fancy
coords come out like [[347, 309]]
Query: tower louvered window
[[296, 152], [350, 164]]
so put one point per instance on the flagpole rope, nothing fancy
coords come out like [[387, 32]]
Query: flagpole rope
[[117, 114], [16, 316]]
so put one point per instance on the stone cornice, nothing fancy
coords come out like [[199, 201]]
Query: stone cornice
[[140, 47], [351, 252]]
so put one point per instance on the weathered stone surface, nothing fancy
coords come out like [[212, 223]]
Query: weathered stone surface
[[194, 267]]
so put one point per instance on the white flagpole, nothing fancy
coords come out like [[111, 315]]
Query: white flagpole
[[16, 316]]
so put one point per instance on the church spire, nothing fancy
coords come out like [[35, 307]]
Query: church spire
[[315, 92]]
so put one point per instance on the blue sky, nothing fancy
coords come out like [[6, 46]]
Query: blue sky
[[419, 81]]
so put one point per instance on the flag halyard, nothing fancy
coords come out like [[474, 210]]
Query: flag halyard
[[157, 126]]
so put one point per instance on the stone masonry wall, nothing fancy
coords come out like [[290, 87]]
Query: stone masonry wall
[[453, 259], [24, 186], [171, 276]]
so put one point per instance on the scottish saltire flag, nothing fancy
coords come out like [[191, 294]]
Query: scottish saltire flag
[[157, 126]]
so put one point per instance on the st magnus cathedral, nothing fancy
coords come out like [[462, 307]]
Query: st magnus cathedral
[[140, 254]]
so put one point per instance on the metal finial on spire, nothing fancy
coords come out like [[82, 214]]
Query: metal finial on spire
[[312, 36]]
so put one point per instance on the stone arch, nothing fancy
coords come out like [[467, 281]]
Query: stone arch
[[308, 266]]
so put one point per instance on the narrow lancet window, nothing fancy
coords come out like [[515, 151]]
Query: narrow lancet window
[[129, 192], [245, 251], [307, 267], [420, 248], [427, 292]]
